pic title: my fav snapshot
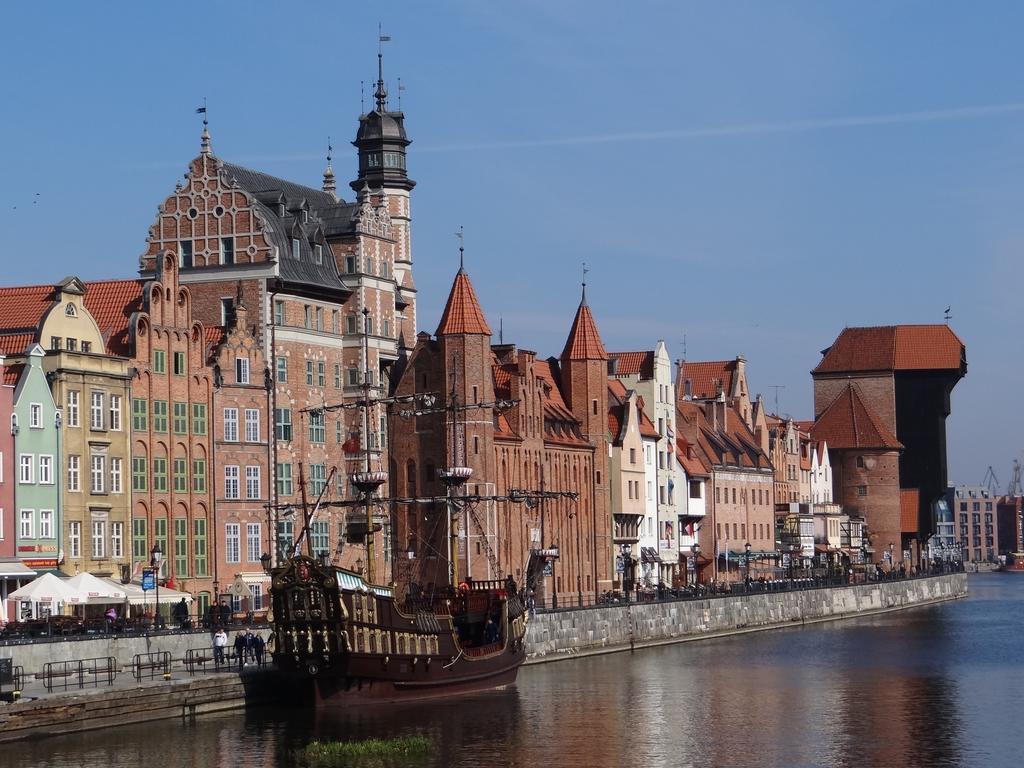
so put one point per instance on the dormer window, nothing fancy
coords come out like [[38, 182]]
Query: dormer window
[[305, 216], [295, 248], [318, 253]]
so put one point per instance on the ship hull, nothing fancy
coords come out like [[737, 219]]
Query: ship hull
[[341, 641]]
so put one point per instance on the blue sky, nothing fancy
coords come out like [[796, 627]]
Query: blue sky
[[750, 176]]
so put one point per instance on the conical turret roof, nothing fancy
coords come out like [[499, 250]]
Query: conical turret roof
[[462, 313], [584, 342]]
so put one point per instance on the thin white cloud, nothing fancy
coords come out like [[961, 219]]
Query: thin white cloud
[[747, 129]]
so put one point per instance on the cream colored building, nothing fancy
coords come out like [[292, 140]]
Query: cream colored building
[[91, 388]]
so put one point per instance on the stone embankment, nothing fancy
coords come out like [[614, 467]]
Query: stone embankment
[[575, 632], [553, 635]]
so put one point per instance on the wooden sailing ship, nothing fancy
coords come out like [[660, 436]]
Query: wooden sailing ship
[[352, 639]]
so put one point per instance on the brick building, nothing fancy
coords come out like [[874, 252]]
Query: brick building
[[551, 437], [902, 378], [242, 386], [740, 497], [985, 524]]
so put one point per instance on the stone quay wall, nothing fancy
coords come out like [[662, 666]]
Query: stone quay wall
[[565, 634], [33, 656]]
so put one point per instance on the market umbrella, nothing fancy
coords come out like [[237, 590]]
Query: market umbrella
[[47, 590], [93, 590]]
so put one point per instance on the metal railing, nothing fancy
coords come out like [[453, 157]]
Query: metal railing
[[200, 657], [79, 673], [799, 581], [13, 676], [150, 665]]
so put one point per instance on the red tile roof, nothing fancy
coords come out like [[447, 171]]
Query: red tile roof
[[584, 342], [12, 373], [706, 378], [690, 459], [894, 348], [112, 303], [848, 422], [462, 313], [16, 343], [633, 364], [909, 502]]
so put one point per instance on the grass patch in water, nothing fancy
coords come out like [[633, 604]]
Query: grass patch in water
[[327, 754]]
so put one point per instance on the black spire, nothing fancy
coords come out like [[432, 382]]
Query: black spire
[[381, 139]]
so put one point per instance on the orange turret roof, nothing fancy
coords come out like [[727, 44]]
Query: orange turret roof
[[584, 342], [462, 313]]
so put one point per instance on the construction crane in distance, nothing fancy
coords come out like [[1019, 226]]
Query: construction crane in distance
[[990, 481]]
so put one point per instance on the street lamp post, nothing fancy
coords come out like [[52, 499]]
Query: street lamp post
[[156, 556], [696, 571], [746, 550], [892, 562]]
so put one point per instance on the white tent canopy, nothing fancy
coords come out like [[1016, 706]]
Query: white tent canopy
[[94, 590], [134, 594], [47, 590]]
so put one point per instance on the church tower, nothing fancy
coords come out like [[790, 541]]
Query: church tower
[[584, 369], [381, 142]]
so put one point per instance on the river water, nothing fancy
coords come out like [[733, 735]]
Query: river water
[[932, 686]]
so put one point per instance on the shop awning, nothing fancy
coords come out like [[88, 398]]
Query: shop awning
[[14, 570], [135, 595], [649, 555]]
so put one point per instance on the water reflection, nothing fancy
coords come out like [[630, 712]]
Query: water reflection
[[934, 686]]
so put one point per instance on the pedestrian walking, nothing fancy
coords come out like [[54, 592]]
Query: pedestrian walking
[[258, 647], [220, 640], [250, 645], [240, 649]]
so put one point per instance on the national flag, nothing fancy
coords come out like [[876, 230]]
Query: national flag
[[385, 38], [200, 110]]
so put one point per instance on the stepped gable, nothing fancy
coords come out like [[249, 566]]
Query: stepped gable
[[848, 422], [584, 342], [462, 313], [633, 364], [894, 348]]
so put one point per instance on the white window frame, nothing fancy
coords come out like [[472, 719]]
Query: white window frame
[[75, 539], [232, 543], [74, 474], [116, 475], [241, 370], [255, 597], [115, 413], [252, 425], [99, 539], [96, 407], [253, 541], [46, 524], [252, 482], [45, 475], [117, 540], [97, 473], [27, 524], [231, 425], [231, 489], [73, 402], [35, 415]]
